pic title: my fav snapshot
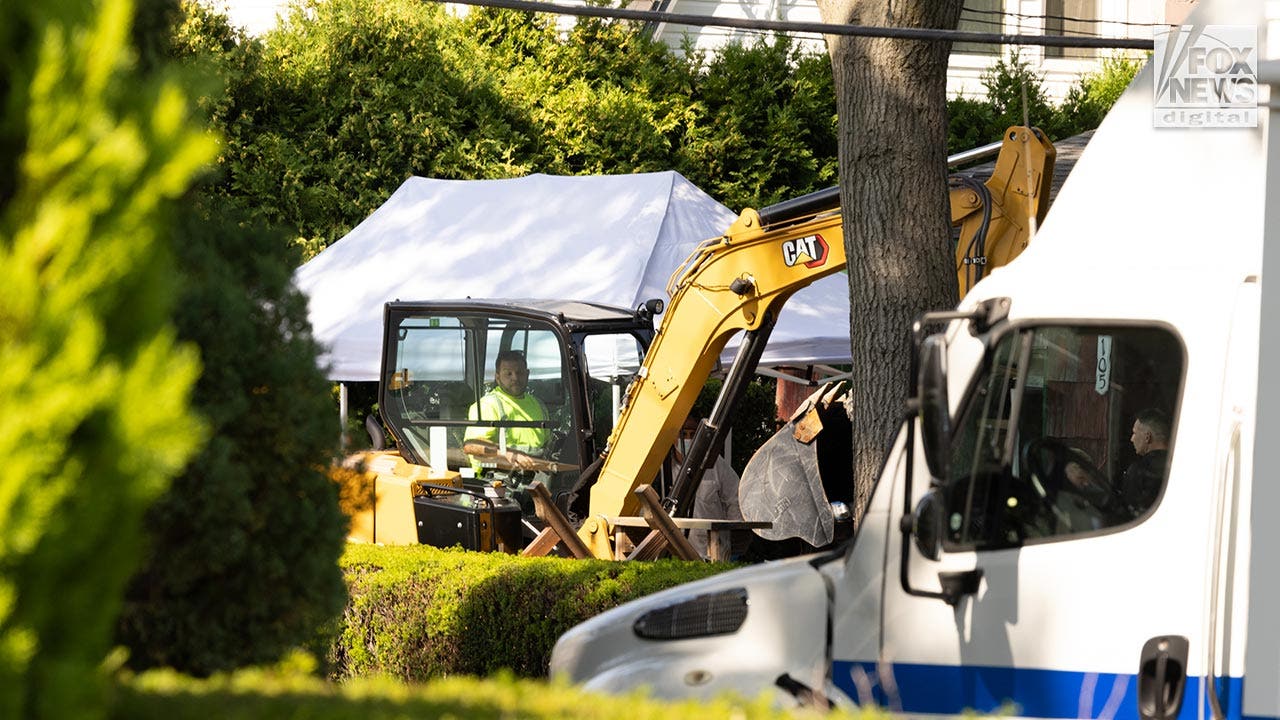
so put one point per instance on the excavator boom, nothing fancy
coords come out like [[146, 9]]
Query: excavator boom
[[737, 283]]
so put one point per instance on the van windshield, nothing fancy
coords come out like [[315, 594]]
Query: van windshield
[[1069, 431]]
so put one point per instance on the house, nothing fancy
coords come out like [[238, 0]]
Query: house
[[1061, 68]]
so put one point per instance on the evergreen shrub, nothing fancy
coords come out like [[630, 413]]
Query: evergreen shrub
[[1088, 102], [94, 386], [328, 114], [750, 148], [243, 563], [754, 421], [974, 122]]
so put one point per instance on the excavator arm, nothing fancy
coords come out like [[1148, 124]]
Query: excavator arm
[[998, 217], [736, 283], [740, 281]]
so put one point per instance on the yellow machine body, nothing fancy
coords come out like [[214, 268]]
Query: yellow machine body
[[380, 493]]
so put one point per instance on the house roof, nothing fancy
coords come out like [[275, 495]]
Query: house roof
[[1068, 151]]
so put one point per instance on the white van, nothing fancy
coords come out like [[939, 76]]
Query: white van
[[1044, 546]]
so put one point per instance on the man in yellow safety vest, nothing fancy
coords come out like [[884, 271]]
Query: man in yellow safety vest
[[507, 448]]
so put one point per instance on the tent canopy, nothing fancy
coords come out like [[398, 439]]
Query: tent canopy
[[613, 239]]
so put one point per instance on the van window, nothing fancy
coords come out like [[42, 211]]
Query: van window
[[1067, 432]]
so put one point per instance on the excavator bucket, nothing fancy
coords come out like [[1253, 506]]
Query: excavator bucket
[[795, 477]]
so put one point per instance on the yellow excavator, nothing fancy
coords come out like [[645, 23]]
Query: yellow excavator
[[585, 362], [740, 281]]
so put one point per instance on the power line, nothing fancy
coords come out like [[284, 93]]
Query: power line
[[1066, 18], [791, 26], [1065, 32], [997, 23]]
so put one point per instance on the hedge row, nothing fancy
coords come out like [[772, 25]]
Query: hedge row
[[420, 612], [271, 695]]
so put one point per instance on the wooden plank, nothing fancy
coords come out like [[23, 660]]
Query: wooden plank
[[547, 511], [718, 545], [693, 523], [660, 521], [542, 545], [650, 548], [622, 545]]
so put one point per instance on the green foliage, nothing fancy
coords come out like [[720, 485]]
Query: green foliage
[[150, 32], [245, 545], [270, 694], [1016, 94], [353, 96], [752, 149], [604, 98], [971, 124], [206, 41], [977, 122], [421, 612], [94, 386], [328, 114], [753, 421], [1088, 102]]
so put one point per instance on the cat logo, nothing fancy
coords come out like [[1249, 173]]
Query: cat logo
[[810, 251]]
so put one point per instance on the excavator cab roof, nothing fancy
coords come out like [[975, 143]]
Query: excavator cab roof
[[573, 314]]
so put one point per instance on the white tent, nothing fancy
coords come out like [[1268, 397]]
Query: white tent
[[610, 239]]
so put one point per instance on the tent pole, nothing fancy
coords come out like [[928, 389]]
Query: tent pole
[[342, 413]]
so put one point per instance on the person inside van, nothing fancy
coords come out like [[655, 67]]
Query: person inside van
[[1143, 479]]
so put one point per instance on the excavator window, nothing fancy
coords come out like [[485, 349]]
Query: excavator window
[[445, 398], [612, 363]]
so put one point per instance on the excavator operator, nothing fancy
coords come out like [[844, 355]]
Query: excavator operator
[[507, 449]]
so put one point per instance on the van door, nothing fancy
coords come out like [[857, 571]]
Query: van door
[[1227, 615], [1059, 506]]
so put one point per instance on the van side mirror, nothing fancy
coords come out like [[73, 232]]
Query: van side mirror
[[934, 406], [927, 525]]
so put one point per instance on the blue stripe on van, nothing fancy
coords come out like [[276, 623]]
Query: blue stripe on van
[[1230, 694], [948, 690]]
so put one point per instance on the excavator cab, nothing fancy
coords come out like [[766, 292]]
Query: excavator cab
[[459, 432]]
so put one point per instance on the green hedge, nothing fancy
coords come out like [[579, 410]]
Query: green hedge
[[421, 612], [271, 695]]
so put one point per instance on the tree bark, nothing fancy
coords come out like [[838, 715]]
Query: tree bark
[[892, 115]]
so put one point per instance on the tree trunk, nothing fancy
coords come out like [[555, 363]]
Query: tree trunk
[[891, 104]]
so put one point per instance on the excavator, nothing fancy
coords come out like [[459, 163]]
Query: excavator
[[437, 356]]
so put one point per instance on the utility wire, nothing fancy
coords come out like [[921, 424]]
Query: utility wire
[[790, 26], [1070, 32], [1067, 18]]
